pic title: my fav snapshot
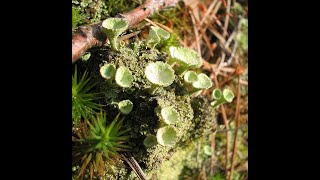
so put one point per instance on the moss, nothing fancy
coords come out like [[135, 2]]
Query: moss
[[196, 116], [182, 163], [97, 10]]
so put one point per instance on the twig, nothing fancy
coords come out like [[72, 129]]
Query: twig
[[134, 165], [226, 22], [224, 130], [196, 33], [205, 37], [236, 31], [226, 122], [204, 18], [236, 130]]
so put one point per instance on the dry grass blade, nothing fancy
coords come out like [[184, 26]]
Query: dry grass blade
[[226, 22], [196, 33], [204, 36], [134, 165], [208, 12]]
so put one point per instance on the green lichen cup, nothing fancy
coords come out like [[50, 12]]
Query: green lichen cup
[[228, 95], [150, 141], [155, 36], [221, 97], [113, 27], [160, 73], [186, 59], [125, 106], [166, 136], [203, 82], [190, 77], [124, 77], [216, 94], [107, 71], [170, 115]]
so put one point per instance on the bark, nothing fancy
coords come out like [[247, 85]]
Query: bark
[[89, 36]]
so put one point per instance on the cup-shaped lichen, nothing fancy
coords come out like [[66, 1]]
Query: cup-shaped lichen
[[186, 58], [228, 95], [150, 141], [113, 27], [190, 77], [221, 97], [207, 150], [107, 71], [156, 34], [216, 94], [203, 82], [160, 73], [124, 77], [125, 106], [170, 115], [166, 136]]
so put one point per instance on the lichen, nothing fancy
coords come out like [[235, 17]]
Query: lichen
[[195, 113]]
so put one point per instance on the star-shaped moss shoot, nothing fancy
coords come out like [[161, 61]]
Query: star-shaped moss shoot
[[185, 58], [107, 71], [190, 77], [203, 82], [156, 34], [160, 73], [150, 141], [221, 97], [113, 27], [124, 77], [166, 136], [125, 106], [170, 115]]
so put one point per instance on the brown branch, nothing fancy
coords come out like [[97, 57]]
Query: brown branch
[[89, 36]]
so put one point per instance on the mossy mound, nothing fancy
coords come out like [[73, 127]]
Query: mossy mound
[[196, 116]]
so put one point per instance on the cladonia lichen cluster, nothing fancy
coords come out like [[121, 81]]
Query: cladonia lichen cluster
[[154, 90]]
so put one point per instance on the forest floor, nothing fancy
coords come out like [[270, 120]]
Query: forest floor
[[218, 30]]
